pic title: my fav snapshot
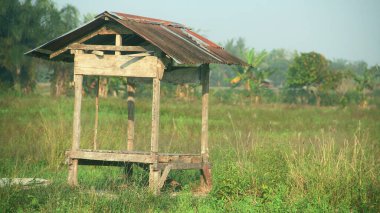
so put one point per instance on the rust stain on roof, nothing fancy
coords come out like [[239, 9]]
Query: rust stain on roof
[[176, 40]]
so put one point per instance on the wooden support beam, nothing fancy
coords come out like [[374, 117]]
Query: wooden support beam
[[206, 181], [83, 39], [118, 43], [77, 46], [154, 173], [105, 30], [164, 176], [180, 166], [205, 76], [155, 116], [96, 114], [154, 178], [73, 167], [131, 88]]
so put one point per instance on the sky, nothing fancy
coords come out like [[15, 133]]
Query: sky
[[338, 29]]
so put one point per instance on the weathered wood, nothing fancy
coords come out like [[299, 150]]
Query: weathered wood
[[180, 166], [78, 84], [117, 65], [77, 46], [164, 175], [131, 114], [154, 174], [182, 75], [205, 91], [98, 53], [206, 181], [83, 39], [162, 158], [73, 167], [105, 30], [118, 43], [109, 156], [155, 116], [154, 178], [96, 114]]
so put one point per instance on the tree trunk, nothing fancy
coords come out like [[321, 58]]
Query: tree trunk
[[60, 81], [318, 100], [103, 87], [247, 86], [257, 99]]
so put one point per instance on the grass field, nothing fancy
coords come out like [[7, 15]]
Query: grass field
[[265, 157]]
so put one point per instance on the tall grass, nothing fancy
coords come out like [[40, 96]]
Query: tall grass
[[265, 158]]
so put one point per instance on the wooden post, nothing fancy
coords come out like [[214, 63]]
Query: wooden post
[[73, 165], [205, 90], [96, 114], [206, 170], [131, 114], [118, 42], [154, 174]]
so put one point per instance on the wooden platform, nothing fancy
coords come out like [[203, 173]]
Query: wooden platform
[[119, 158]]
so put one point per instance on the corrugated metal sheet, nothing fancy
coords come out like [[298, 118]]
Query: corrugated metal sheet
[[176, 40]]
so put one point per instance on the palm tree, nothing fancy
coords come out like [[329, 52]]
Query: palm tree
[[251, 76], [366, 81]]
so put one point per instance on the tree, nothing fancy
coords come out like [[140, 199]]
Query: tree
[[278, 62], [251, 76], [366, 81], [221, 73], [310, 72], [66, 19], [24, 25]]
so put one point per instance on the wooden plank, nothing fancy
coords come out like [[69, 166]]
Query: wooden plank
[[182, 75], [117, 65], [205, 92], [105, 30], [131, 114], [114, 157], [179, 158], [73, 166], [77, 46], [180, 166], [83, 39], [164, 175]]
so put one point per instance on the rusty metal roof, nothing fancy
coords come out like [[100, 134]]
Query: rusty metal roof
[[176, 40]]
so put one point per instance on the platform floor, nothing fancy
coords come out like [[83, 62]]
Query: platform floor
[[120, 158]]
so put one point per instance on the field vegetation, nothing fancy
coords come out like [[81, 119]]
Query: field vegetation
[[265, 157], [292, 132]]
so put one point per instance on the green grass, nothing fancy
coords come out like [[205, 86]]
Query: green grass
[[265, 158]]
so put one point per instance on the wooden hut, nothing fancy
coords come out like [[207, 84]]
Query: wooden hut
[[135, 47]]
